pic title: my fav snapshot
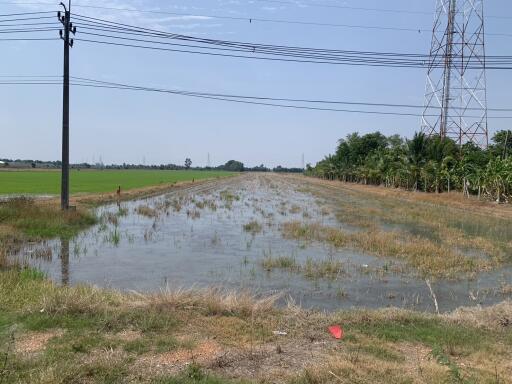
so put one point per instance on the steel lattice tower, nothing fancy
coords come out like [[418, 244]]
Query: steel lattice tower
[[456, 95]]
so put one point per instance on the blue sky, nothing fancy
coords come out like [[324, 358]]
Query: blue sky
[[122, 126]]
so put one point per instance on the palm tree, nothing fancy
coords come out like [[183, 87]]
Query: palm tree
[[416, 156], [447, 169], [495, 179]]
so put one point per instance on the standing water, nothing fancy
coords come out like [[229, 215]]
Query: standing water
[[228, 233]]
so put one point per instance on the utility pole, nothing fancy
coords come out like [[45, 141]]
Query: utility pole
[[68, 42]]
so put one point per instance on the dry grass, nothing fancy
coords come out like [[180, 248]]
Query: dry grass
[[496, 317], [147, 211], [449, 200], [458, 223], [427, 257], [212, 301], [35, 341]]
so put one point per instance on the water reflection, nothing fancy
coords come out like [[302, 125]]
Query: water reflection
[[64, 261]]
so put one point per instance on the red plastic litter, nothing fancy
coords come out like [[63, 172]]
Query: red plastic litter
[[336, 331]]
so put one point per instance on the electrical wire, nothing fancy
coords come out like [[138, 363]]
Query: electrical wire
[[318, 59], [244, 99], [203, 46], [123, 29], [30, 39], [302, 3]]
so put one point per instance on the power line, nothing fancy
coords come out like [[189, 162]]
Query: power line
[[302, 58], [28, 30], [250, 19], [24, 13], [267, 20], [302, 3], [235, 49], [254, 48], [294, 54], [30, 39], [221, 98], [244, 99], [336, 6], [26, 18], [25, 24]]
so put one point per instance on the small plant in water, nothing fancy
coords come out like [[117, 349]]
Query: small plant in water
[[147, 211], [215, 239], [280, 262], [253, 227], [329, 268], [229, 196], [194, 214], [114, 237]]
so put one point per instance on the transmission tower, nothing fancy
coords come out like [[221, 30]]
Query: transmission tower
[[456, 95]]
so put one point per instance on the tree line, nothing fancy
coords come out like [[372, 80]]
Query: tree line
[[429, 164]]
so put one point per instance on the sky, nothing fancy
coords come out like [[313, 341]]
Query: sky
[[136, 127]]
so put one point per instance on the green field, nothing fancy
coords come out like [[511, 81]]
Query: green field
[[48, 182]]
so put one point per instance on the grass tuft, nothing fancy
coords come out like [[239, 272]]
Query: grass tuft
[[147, 211], [279, 262], [213, 301], [253, 227]]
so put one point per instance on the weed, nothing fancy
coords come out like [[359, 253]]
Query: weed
[[145, 210], [228, 196], [330, 269], [194, 214], [253, 227], [114, 237], [28, 274], [280, 262]]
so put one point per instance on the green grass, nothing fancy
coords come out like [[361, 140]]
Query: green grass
[[37, 221], [48, 182], [253, 227]]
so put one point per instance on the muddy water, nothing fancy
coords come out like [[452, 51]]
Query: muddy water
[[196, 238]]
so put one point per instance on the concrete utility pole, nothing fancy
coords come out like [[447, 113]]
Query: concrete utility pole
[[68, 42]]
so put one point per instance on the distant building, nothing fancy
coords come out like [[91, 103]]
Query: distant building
[[2, 163]]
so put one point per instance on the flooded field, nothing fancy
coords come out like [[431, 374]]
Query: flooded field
[[321, 246]]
